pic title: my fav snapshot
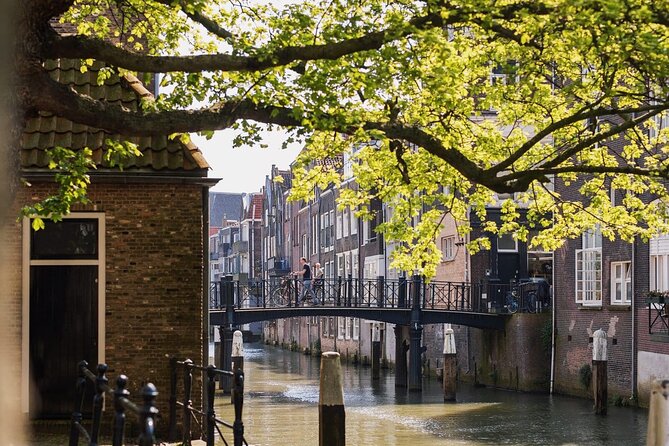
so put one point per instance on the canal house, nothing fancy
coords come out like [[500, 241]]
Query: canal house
[[122, 278]]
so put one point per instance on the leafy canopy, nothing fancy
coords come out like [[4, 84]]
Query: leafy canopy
[[441, 105]]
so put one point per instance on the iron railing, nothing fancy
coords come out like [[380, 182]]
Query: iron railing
[[485, 297], [208, 417], [658, 315], [146, 413]]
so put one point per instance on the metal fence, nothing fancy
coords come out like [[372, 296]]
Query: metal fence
[[146, 413]]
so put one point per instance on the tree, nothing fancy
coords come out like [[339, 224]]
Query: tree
[[445, 102]]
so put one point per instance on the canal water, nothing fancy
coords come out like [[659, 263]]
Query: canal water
[[281, 408]]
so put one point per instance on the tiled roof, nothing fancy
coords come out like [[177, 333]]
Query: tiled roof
[[224, 205], [159, 153], [254, 210]]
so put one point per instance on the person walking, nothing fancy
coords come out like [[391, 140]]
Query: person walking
[[305, 272], [318, 284]]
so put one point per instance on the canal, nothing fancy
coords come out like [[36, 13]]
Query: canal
[[281, 399]]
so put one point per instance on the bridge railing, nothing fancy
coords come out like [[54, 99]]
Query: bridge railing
[[352, 292]]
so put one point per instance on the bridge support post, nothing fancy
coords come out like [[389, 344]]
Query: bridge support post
[[415, 335], [401, 348], [376, 351], [331, 412]]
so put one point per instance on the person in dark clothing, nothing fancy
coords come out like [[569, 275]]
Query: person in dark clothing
[[306, 279]]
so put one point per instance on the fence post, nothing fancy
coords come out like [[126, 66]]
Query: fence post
[[376, 351], [98, 401], [211, 414], [187, 402], [172, 429], [147, 417], [449, 372], [238, 402], [331, 413], [79, 387], [380, 291], [599, 375], [349, 289], [237, 355], [119, 410], [658, 414]]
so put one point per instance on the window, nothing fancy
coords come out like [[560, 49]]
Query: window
[[331, 328], [506, 242], [448, 248], [356, 329], [324, 327], [340, 265], [621, 283], [589, 269], [659, 263], [305, 246], [314, 234], [354, 263], [339, 225], [341, 327], [346, 223], [354, 223]]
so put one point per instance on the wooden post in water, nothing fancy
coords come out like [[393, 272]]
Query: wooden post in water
[[450, 370], [376, 351], [331, 415], [658, 414], [237, 354], [599, 376]]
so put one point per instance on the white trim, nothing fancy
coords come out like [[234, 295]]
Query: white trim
[[626, 266], [25, 294]]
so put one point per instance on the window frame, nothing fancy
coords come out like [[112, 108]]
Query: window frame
[[626, 269]]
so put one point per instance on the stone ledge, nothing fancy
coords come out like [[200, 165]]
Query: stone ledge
[[659, 337]]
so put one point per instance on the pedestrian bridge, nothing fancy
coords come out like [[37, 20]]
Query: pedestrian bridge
[[403, 301]]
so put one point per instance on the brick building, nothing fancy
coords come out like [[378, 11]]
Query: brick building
[[121, 279]]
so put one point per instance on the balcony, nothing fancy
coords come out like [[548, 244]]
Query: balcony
[[240, 247], [277, 265]]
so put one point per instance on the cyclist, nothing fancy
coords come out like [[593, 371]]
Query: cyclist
[[305, 272]]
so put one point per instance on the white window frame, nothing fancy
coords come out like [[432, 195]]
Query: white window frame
[[354, 223], [345, 223], [340, 225], [622, 280], [588, 279], [341, 327], [27, 262], [356, 329], [448, 248]]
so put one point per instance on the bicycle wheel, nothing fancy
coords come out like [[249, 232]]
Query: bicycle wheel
[[531, 302], [277, 297]]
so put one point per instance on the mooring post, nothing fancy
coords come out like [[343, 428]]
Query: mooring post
[[450, 370], [401, 349], [376, 351], [147, 416], [599, 375], [237, 356], [79, 390], [658, 414], [331, 414], [415, 335], [211, 413], [119, 410]]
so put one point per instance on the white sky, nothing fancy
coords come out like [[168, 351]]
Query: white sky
[[243, 169]]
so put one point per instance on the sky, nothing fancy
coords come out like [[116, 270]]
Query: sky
[[243, 169]]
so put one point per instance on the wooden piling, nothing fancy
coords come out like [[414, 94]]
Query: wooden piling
[[599, 371], [376, 351], [331, 415], [450, 366], [658, 414]]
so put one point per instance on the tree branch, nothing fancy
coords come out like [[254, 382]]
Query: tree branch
[[197, 16], [82, 47]]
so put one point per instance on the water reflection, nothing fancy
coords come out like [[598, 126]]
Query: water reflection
[[282, 396]]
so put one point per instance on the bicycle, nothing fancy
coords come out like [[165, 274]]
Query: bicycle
[[528, 301], [282, 294]]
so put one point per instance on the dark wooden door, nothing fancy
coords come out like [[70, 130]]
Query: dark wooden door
[[508, 266], [63, 331]]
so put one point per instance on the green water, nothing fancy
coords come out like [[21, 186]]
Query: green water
[[281, 398]]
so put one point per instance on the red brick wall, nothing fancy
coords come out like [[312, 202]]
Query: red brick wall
[[154, 272]]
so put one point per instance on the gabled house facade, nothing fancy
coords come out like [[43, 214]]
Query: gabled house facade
[[122, 279]]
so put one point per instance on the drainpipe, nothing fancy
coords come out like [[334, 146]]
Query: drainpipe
[[633, 304], [553, 329]]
